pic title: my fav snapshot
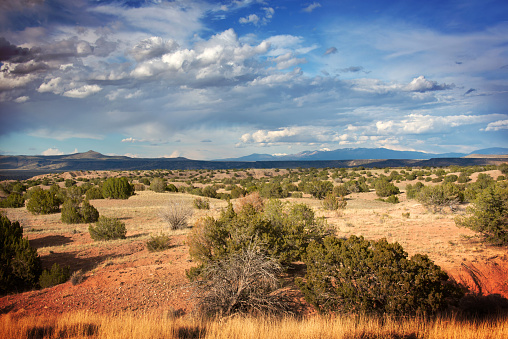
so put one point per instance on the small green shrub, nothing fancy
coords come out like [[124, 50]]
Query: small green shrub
[[158, 185], [158, 243], [42, 202], [72, 213], [488, 214], [202, 204], [107, 229], [117, 188], [55, 276], [333, 203], [14, 200], [93, 193], [392, 199], [438, 196], [384, 188]]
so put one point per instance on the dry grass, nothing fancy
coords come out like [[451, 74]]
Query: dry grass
[[128, 325]]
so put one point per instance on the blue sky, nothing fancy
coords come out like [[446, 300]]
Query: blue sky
[[216, 79]]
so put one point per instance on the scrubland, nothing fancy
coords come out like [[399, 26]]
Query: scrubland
[[129, 292]]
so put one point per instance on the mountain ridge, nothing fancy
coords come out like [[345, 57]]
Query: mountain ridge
[[362, 154]]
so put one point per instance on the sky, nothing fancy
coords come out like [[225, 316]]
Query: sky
[[220, 79]]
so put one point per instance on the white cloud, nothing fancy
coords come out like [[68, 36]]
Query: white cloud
[[252, 18], [497, 126], [52, 151], [53, 85], [422, 124], [421, 84], [312, 7], [21, 99], [83, 92]]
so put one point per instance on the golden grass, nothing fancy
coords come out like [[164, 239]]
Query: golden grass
[[129, 325]]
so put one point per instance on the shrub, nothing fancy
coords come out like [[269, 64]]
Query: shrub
[[319, 188], [210, 192], [176, 213], [283, 231], [158, 243], [72, 213], [94, 193], [332, 203], [20, 266], [43, 202], [158, 185], [117, 188], [77, 277], [14, 200], [413, 190], [88, 212], [107, 229], [439, 196], [392, 199], [247, 282], [361, 276], [202, 204], [55, 276], [488, 214], [384, 188]]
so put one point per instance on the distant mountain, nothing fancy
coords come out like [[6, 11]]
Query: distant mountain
[[347, 154], [18, 167], [491, 151]]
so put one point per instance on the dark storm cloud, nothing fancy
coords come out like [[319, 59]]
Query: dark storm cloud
[[13, 53]]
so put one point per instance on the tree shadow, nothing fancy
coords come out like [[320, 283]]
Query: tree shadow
[[139, 235], [75, 262], [50, 240], [479, 306]]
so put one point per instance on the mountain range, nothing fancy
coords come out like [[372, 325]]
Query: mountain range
[[363, 154], [25, 166]]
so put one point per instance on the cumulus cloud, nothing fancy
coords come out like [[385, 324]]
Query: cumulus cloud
[[311, 7], [83, 91], [252, 18], [21, 99], [152, 48], [497, 126], [52, 151], [421, 84]]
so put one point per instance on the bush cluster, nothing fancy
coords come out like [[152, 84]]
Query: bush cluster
[[20, 265], [361, 276], [54, 276], [13, 200], [72, 213]]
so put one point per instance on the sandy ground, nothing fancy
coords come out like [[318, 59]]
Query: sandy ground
[[122, 275]]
